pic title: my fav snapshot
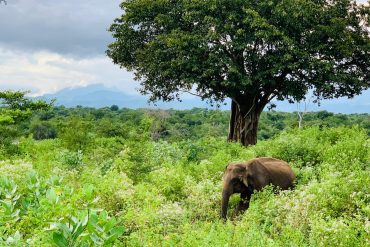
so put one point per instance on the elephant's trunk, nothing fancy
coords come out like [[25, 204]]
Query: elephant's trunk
[[226, 193]]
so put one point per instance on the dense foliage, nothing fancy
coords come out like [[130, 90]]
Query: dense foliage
[[120, 177], [248, 51], [77, 126], [15, 109]]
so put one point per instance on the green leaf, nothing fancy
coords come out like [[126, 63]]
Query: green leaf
[[89, 191], [64, 228], [116, 232], [95, 239], [77, 230], [60, 240], [109, 225], [52, 196]]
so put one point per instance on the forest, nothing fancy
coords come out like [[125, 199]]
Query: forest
[[150, 177]]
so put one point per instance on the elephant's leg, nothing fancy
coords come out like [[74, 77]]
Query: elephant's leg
[[243, 204]]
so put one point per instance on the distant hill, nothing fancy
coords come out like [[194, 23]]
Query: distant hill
[[93, 96], [98, 95]]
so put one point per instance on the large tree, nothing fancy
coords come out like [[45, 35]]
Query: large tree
[[15, 107], [248, 50]]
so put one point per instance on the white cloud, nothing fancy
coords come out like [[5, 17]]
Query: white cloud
[[46, 72]]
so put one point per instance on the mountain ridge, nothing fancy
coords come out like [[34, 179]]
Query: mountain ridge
[[99, 95]]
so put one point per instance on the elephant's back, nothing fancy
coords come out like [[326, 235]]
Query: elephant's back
[[279, 171]]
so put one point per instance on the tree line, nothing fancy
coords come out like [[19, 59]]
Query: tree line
[[78, 126]]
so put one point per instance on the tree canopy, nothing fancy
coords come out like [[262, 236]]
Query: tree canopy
[[249, 51], [15, 107]]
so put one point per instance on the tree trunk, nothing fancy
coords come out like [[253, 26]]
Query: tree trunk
[[244, 122]]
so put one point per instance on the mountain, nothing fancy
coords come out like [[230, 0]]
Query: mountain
[[98, 95], [95, 95]]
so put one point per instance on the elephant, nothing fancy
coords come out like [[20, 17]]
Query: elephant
[[253, 175]]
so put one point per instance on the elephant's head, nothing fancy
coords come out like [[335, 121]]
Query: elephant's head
[[235, 181]]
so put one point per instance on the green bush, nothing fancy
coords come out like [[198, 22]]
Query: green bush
[[43, 130], [72, 160], [75, 134], [8, 141], [135, 192]]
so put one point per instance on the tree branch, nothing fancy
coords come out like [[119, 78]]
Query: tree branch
[[195, 94]]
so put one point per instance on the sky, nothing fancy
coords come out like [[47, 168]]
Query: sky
[[48, 45]]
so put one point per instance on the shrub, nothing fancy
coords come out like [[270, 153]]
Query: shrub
[[75, 134], [145, 193], [43, 130], [72, 160]]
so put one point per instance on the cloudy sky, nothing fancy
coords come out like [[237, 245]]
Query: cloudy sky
[[48, 45]]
